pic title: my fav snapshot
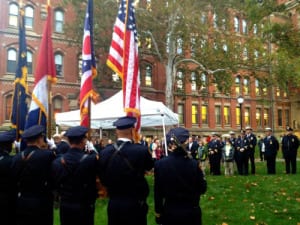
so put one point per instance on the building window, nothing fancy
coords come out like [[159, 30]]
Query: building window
[[255, 29], [29, 62], [58, 58], [257, 88], [226, 114], [179, 45], [287, 117], [247, 115], [57, 104], [204, 113], [59, 21], [179, 80], [266, 117], [246, 85], [11, 60], [277, 90], [148, 76], [193, 81], [194, 114], [236, 24], [180, 111], [8, 106], [13, 14], [238, 115], [215, 20], [238, 85], [204, 81], [245, 53], [258, 117], [244, 27], [218, 115], [279, 116], [79, 65], [29, 17]]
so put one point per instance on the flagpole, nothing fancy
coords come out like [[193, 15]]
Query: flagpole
[[49, 123], [89, 118]]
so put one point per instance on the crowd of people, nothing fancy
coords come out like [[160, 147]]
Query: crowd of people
[[69, 168]]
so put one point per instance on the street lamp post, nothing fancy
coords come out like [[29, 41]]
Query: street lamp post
[[240, 100]]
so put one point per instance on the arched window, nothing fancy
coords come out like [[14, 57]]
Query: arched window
[[179, 45], [246, 84], [29, 62], [236, 24], [215, 20], [193, 81], [58, 58], [13, 14], [57, 104], [179, 82], [11, 60], [59, 21], [29, 17], [238, 85], [204, 81], [244, 26], [257, 87], [8, 106], [148, 76]]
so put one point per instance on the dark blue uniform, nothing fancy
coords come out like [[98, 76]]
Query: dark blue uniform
[[179, 182], [271, 148], [290, 144], [74, 176], [7, 187], [242, 150], [215, 155], [122, 169], [251, 150], [31, 169]]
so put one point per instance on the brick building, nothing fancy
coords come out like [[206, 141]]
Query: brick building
[[201, 109]]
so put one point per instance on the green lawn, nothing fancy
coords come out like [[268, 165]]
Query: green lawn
[[240, 200]]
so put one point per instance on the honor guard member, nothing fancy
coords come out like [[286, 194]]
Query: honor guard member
[[252, 143], [271, 147], [215, 154], [242, 148], [74, 174], [7, 187], [31, 169], [178, 183], [290, 144], [122, 168]]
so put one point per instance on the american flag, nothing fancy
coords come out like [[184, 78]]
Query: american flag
[[88, 66], [123, 59]]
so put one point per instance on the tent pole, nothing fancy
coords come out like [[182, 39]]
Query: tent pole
[[164, 131], [100, 132]]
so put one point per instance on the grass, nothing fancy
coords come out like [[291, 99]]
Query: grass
[[259, 199]]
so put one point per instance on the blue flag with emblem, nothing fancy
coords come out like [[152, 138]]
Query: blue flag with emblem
[[19, 105]]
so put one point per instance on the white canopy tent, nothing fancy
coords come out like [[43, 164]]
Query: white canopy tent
[[103, 114]]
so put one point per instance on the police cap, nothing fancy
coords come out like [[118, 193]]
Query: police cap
[[34, 132], [231, 132], [268, 129], [76, 132], [8, 136], [180, 133], [248, 128], [125, 122]]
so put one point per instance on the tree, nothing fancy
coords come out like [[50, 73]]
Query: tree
[[198, 35]]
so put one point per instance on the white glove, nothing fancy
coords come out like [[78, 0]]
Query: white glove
[[90, 147], [51, 143], [17, 144]]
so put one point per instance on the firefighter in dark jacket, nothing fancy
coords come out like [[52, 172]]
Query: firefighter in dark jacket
[[122, 170], [290, 144], [7, 187], [31, 170], [271, 147], [74, 174], [178, 184]]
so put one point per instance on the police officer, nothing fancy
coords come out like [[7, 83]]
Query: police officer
[[7, 190], [271, 147], [251, 150], [31, 170], [122, 169], [290, 144], [179, 182], [74, 175], [63, 146], [215, 154], [242, 148]]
